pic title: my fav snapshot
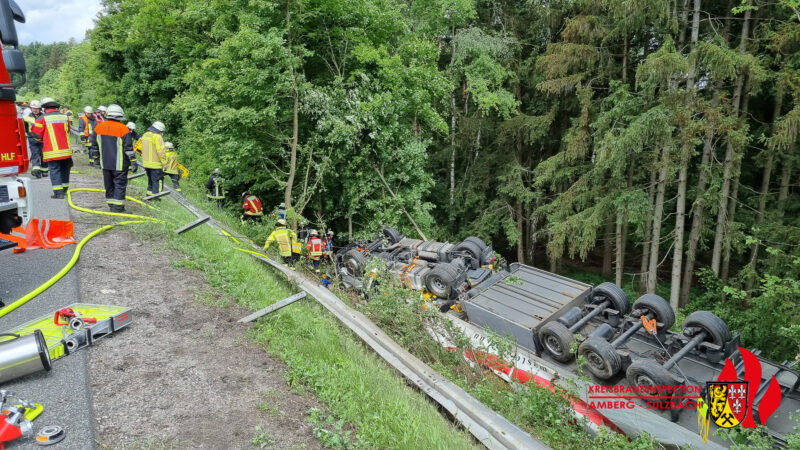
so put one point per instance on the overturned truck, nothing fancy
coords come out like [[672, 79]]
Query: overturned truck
[[620, 345]]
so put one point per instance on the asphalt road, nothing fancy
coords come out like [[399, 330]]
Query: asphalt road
[[64, 390]]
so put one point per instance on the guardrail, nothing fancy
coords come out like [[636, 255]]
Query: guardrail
[[490, 428]]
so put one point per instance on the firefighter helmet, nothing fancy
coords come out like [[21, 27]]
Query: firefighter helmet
[[159, 126], [216, 171], [314, 233], [88, 109], [169, 145], [48, 102], [35, 104], [102, 109], [330, 232], [281, 222], [131, 125], [115, 111]]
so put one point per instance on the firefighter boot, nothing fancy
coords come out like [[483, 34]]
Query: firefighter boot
[[58, 194]]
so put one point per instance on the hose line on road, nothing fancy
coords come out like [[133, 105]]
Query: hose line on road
[[76, 254]]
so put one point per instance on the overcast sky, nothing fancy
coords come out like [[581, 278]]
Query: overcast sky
[[50, 21]]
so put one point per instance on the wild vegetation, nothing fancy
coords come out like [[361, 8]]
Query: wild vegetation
[[651, 141]]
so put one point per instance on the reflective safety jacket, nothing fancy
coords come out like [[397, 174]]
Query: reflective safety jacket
[[171, 167], [284, 237], [53, 128], [113, 140], [252, 206], [86, 126], [315, 247], [215, 189], [154, 153], [29, 120]]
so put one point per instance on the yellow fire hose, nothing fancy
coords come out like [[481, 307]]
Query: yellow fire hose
[[24, 299]]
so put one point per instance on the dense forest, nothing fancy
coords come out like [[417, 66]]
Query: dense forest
[[652, 140]]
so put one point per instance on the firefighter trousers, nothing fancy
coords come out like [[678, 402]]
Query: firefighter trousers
[[35, 148], [116, 183], [155, 180], [176, 178], [59, 173]]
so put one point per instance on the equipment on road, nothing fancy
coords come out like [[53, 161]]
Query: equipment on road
[[15, 421], [76, 321], [61, 339], [49, 435], [22, 355]]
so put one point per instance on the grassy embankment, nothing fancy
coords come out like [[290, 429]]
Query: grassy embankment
[[322, 356], [325, 357]]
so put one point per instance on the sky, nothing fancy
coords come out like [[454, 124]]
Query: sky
[[49, 21]]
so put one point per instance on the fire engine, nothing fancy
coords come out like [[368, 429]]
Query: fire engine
[[15, 203]]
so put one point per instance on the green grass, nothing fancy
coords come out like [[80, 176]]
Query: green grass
[[321, 355]]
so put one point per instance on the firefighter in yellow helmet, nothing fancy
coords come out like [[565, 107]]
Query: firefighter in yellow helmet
[[154, 157], [171, 167], [285, 239]]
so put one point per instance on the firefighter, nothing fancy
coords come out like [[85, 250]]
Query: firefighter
[[134, 135], [216, 188], [285, 239], [282, 211], [100, 114], [31, 115], [328, 241], [154, 156], [86, 124], [53, 129], [171, 166], [252, 208], [113, 142], [315, 249]]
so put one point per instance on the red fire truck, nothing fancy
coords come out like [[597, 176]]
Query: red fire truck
[[15, 202]]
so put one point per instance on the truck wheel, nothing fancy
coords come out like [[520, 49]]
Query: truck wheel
[[614, 294], [660, 308], [354, 261], [477, 241], [557, 339], [648, 372], [601, 357], [392, 235], [440, 280], [473, 250], [715, 328]]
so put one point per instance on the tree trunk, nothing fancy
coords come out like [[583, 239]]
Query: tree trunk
[[622, 234], [287, 193], [658, 214], [520, 243], [683, 174], [786, 176], [698, 209], [625, 59], [620, 250], [350, 227], [727, 175], [647, 234], [764, 192], [452, 150], [734, 200], [608, 248]]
